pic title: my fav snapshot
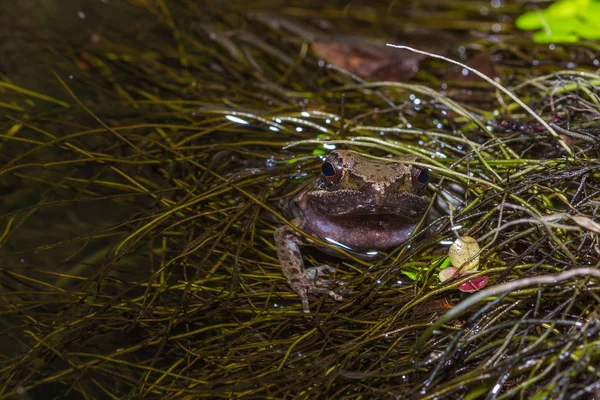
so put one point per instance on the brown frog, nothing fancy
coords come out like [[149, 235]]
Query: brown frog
[[358, 203]]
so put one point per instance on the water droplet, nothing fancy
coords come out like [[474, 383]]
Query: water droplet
[[236, 120]]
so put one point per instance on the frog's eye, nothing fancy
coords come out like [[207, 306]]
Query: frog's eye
[[330, 174], [423, 176], [327, 169]]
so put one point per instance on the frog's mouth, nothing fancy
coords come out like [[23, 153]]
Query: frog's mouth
[[352, 203]]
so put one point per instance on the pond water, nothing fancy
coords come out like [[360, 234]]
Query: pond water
[[147, 147]]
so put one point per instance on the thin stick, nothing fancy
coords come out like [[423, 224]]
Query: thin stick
[[495, 291], [497, 86]]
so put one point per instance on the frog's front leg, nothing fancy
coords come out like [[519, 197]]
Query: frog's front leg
[[287, 242]]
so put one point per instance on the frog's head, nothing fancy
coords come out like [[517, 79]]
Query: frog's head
[[354, 185]]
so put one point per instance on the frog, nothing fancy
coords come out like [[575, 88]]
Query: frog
[[359, 203]]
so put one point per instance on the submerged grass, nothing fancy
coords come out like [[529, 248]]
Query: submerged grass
[[140, 190]]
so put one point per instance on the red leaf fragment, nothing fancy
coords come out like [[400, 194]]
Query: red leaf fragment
[[475, 284], [370, 60]]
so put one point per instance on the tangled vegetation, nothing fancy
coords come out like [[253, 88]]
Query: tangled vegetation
[[144, 158]]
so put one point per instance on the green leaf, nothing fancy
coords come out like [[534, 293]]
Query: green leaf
[[543, 37], [565, 9], [446, 263], [565, 21], [411, 275], [588, 30], [530, 21]]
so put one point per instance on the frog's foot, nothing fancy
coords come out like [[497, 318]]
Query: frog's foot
[[317, 272], [309, 287], [288, 252]]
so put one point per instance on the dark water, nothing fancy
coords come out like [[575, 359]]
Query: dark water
[[143, 160]]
